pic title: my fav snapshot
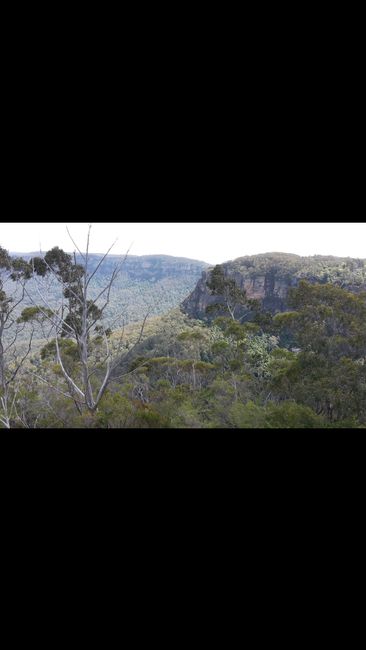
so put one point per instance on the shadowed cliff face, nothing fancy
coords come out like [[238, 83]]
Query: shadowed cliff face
[[268, 278], [271, 293]]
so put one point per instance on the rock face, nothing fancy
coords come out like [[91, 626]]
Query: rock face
[[268, 278]]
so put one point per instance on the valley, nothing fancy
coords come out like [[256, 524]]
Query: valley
[[272, 340], [151, 284]]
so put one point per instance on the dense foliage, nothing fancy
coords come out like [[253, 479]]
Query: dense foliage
[[322, 269]]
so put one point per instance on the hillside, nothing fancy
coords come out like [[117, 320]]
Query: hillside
[[268, 277], [154, 283], [300, 368]]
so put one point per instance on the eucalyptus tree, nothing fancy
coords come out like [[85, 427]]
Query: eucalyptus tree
[[14, 273], [328, 373], [232, 299], [82, 319]]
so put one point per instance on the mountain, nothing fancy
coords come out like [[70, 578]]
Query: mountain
[[140, 267], [154, 283], [267, 277]]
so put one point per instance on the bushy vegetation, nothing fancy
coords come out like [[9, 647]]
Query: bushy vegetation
[[304, 368], [186, 374], [323, 269]]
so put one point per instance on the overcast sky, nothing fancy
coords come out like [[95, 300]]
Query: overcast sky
[[210, 242]]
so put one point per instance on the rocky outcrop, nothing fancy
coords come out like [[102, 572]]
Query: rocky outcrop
[[271, 292], [268, 278]]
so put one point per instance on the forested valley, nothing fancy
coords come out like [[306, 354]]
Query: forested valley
[[239, 351]]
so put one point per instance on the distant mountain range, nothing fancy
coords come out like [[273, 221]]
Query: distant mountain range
[[164, 264], [154, 283]]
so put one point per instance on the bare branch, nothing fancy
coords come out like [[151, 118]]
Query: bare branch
[[87, 258], [108, 371], [17, 332], [76, 246], [19, 301], [22, 360], [70, 382], [100, 263], [54, 313], [13, 402]]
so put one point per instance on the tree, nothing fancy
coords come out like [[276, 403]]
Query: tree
[[13, 275], [193, 339], [82, 319], [328, 320], [328, 373], [232, 298]]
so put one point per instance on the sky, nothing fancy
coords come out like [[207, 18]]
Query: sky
[[209, 242]]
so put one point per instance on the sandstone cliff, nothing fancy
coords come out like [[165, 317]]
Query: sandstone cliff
[[268, 277]]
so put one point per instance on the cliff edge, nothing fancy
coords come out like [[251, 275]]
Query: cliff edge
[[268, 277]]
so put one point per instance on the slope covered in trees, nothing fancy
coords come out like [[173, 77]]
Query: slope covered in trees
[[155, 283], [268, 278]]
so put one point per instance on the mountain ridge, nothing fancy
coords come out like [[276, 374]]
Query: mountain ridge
[[30, 254], [146, 283], [267, 277]]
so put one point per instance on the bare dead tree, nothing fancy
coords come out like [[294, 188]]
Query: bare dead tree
[[82, 319]]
